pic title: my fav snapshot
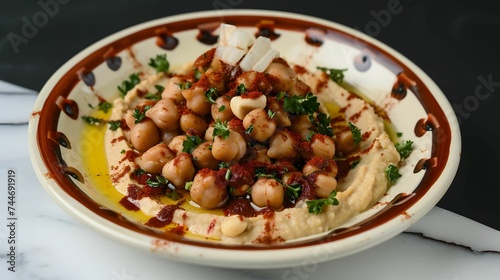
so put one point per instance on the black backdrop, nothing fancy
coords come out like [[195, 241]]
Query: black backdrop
[[454, 42]]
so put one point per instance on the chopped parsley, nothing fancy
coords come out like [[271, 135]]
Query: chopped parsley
[[324, 124], [185, 85], [222, 165], [157, 95], [404, 148], [104, 106], [356, 133], [292, 191], [129, 84], [173, 194], [140, 113], [160, 181], [93, 121], [249, 129], [222, 108], [241, 89], [399, 134], [270, 113], [336, 75], [316, 206], [211, 94], [191, 142], [114, 125], [228, 174], [301, 105], [188, 185], [160, 63], [220, 129], [310, 135], [355, 162], [392, 173]]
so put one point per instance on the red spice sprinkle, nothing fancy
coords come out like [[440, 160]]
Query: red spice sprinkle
[[125, 202], [251, 95], [211, 226], [179, 230]]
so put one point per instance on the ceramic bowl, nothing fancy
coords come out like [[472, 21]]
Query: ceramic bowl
[[416, 106]]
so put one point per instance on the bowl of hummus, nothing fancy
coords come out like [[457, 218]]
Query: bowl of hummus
[[244, 139]]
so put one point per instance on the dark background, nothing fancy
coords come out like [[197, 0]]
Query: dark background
[[455, 43]]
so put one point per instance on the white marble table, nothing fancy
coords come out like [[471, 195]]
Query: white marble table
[[49, 244]]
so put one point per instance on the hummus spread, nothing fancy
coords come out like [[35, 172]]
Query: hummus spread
[[211, 163]]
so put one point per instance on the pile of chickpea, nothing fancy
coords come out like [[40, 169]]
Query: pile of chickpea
[[259, 130]]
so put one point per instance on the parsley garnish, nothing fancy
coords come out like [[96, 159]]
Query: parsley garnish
[[173, 194], [129, 84], [104, 106], [191, 142], [155, 96], [185, 85], [92, 120], [249, 129], [222, 165], [310, 135], [211, 94], [188, 185], [114, 125], [316, 206], [356, 133], [404, 148], [392, 173], [160, 181], [399, 134], [160, 63], [355, 162], [140, 113], [222, 108], [241, 89], [324, 124], [122, 151], [301, 105], [336, 75], [270, 113], [292, 191], [228, 174], [220, 129]]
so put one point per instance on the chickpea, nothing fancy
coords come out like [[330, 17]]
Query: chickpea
[[192, 123], [298, 87], [214, 79], [324, 183], [322, 146], [196, 100], [221, 109], [173, 90], [254, 81], [344, 142], [164, 114], [301, 125], [179, 170], [268, 192], [242, 106], [259, 153], [167, 136], [318, 163], [177, 144], [203, 158], [209, 134], [155, 158], [262, 126], [291, 178], [231, 149], [207, 191], [280, 75], [280, 116], [144, 135], [282, 146]]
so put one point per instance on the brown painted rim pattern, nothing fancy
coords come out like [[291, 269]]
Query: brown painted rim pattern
[[50, 113]]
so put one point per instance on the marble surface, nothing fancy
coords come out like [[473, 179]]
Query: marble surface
[[49, 244]]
